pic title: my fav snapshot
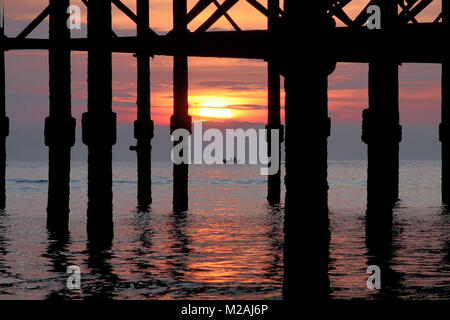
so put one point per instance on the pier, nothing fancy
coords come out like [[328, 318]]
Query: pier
[[302, 43]]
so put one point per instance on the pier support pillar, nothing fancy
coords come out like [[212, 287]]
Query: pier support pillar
[[444, 127], [99, 123], [4, 125], [381, 128], [143, 126], [180, 118], [59, 125], [382, 134], [274, 123], [273, 86], [307, 129], [444, 132]]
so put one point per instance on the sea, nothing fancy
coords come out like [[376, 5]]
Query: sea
[[228, 245]]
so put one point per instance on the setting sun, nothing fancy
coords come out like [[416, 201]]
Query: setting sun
[[214, 104], [215, 109], [212, 107], [216, 112]]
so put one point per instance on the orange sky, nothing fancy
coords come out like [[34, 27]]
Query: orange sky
[[233, 84]]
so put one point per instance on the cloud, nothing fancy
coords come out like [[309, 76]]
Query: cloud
[[231, 85], [246, 107]]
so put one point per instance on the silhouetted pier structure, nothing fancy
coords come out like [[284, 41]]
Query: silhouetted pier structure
[[301, 43], [143, 126], [4, 122], [381, 129], [180, 118], [59, 125]]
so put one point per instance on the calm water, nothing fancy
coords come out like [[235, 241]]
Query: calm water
[[418, 260], [227, 246]]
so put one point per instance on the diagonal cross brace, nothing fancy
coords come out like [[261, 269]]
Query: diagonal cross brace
[[258, 6], [439, 17], [405, 9], [130, 14], [203, 4], [408, 16], [362, 16], [337, 11], [28, 29], [122, 7], [197, 9], [227, 16], [226, 5]]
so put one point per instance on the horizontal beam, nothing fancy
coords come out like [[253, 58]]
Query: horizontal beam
[[410, 43], [244, 44]]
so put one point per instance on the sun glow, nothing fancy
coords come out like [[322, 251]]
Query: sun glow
[[213, 104], [215, 112], [225, 106], [209, 107]]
